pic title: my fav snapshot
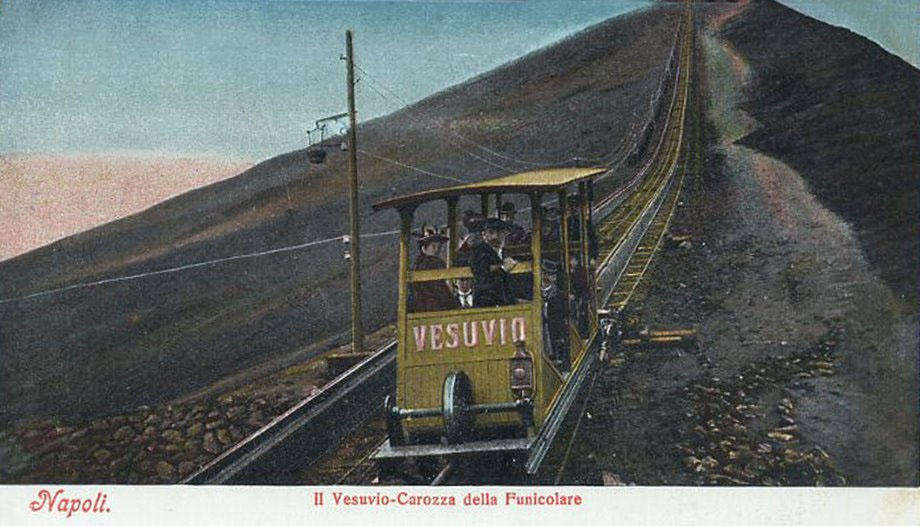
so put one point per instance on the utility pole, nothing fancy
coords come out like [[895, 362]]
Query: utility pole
[[357, 325]]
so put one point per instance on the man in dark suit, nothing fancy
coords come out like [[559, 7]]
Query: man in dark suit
[[491, 283], [575, 229], [555, 316], [516, 233]]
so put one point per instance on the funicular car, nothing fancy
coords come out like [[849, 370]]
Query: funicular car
[[498, 374]]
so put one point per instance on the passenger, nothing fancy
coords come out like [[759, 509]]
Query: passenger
[[575, 229], [473, 222], [551, 220], [555, 316], [550, 234], [516, 234], [464, 291], [491, 283], [431, 295], [519, 241], [580, 295]]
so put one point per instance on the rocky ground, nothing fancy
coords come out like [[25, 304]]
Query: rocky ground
[[160, 444], [806, 370]]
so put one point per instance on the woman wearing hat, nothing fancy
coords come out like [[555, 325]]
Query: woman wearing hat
[[431, 295]]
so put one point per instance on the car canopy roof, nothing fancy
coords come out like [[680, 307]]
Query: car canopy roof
[[532, 181]]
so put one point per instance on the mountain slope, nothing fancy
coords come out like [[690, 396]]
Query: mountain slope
[[104, 348]]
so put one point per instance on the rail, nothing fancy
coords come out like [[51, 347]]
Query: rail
[[299, 437], [277, 451]]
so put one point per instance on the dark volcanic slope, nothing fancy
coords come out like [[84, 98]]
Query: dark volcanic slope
[[845, 114], [116, 346]]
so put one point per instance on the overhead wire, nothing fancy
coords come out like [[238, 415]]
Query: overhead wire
[[410, 167], [180, 268], [300, 246], [400, 100], [573, 159]]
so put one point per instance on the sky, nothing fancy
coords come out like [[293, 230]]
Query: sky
[[244, 80]]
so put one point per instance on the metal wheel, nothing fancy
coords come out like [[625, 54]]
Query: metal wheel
[[394, 427], [456, 399]]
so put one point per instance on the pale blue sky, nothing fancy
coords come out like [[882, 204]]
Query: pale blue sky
[[245, 79]]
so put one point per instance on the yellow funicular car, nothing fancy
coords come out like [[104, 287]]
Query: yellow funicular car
[[496, 336]]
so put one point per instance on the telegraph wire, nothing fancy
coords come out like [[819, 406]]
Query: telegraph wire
[[200, 264], [208, 263], [410, 167]]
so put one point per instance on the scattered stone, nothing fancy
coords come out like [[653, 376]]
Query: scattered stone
[[124, 433], [611, 479], [165, 470], [726, 437], [173, 436], [186, 468], [235, 433], [709, 463], [191, 449], [60, 431], [210, 443], [120, 464], [235, 412], [102, 456], [255, 419], [194, 430], [776, 435], [214, 424], [224, 437]]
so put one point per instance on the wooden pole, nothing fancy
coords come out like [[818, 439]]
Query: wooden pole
[[357, 325]]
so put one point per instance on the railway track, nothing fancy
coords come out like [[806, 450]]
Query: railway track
[[627, 287], [347, 415]]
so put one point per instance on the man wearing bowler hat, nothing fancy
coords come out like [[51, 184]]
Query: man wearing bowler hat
[[516, 234], [491, 283], [473, 222]]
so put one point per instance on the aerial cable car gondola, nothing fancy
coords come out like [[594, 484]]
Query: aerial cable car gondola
[[316, 151]]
